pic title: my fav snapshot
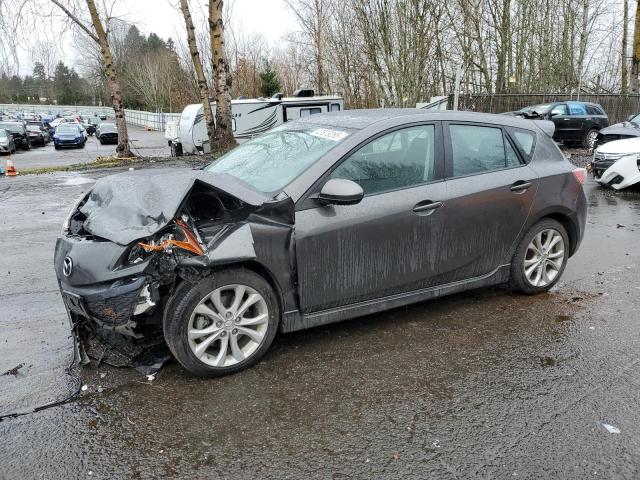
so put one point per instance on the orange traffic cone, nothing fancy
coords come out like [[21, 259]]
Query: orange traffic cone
[[11, 169]]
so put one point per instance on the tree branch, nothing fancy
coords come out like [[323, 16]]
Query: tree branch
[[77, 21]]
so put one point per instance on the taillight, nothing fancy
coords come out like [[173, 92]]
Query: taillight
[[580, 174]]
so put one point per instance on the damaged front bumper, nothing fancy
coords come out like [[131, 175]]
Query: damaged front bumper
[[96, 282], [616, 171]]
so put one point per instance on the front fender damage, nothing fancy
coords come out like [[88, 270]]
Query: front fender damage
[[181, 240]]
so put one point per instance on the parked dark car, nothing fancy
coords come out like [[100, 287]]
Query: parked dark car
[[89, 127], [576, 123], [37, 134], [107, 133], [320, 220], [627, 129], [44, 125], [7, 145], [19, 133], [69, 134]]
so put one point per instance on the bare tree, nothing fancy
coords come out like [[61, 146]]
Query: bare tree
[[313, 16], [203, 87], [98, 34], [624, 85], [221, 77]]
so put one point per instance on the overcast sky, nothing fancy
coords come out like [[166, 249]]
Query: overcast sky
[[270, 18]]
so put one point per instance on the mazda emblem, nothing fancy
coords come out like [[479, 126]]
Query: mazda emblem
[[67, 266]]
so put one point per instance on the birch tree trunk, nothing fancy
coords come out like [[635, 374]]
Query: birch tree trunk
[[203, 88], [221, 77], [100, 37], [122, 150]]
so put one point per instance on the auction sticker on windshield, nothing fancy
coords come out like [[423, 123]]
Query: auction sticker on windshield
[[335, 135]]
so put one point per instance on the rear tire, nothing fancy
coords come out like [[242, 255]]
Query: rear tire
[[207, 329], [590, 138], [541, 257]]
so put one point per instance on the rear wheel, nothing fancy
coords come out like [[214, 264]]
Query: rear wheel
[[222, 324], [590, 138], [540, 258]]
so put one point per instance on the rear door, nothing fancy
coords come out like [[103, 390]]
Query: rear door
[[559, 115], [578, 123], [490, 190]]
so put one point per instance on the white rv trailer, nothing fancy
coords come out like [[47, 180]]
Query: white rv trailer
[[250, 117]]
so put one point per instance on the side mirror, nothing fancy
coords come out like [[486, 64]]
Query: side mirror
[[340, 191]]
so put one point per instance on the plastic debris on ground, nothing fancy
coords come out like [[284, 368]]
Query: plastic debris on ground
[[611, 428]]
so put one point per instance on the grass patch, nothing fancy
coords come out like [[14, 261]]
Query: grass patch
[[110, 162]]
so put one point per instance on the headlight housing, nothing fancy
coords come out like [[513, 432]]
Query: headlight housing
[[76, 205]]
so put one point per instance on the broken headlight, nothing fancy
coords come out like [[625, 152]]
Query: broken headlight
[[66, 225]]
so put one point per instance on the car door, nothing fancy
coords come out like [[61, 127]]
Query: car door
[[578, 124], [490, 190], [559, 115], [387, 243]]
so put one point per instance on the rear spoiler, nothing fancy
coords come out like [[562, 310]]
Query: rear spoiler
[[547, 126]]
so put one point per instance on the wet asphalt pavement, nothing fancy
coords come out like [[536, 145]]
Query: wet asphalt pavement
[[484, 384]]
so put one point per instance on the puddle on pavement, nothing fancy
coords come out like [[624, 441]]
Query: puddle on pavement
[[76, 180]]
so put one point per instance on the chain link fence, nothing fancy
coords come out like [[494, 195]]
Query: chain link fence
[[618, 107]]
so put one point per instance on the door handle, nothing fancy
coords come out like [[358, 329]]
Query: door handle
[[566, 119], [520, 186], [427, 206]]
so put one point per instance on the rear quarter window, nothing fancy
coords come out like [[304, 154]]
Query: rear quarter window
[[525, 141]]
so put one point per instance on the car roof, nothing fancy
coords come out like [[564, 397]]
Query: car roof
[[360, 119]]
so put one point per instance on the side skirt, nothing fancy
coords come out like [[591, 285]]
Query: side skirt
[[295, 320]]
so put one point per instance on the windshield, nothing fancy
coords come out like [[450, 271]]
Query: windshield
[[3, 134], [33, 128], [107, 128], [271, 161], [66, 128]]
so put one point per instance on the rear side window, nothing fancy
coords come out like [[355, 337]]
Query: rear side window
[[305, 112], [335, 107], [577, 108], [477, 149]]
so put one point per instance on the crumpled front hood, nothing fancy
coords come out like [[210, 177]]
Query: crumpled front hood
[[133, 205], [622, 128]]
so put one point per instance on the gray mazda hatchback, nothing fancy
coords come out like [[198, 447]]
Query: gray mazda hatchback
[[320, 220]]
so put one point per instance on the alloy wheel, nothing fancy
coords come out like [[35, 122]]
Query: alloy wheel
[[228, 325], [544, 258], [591, 138]]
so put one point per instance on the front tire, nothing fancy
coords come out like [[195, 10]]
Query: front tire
[[540, 258], [223, 324]]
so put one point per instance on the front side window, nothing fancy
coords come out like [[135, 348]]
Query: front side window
[[559, 110], [399, 159], [476, 149], [271, 161]]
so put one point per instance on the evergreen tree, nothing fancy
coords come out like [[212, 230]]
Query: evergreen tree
[[269, 82]]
